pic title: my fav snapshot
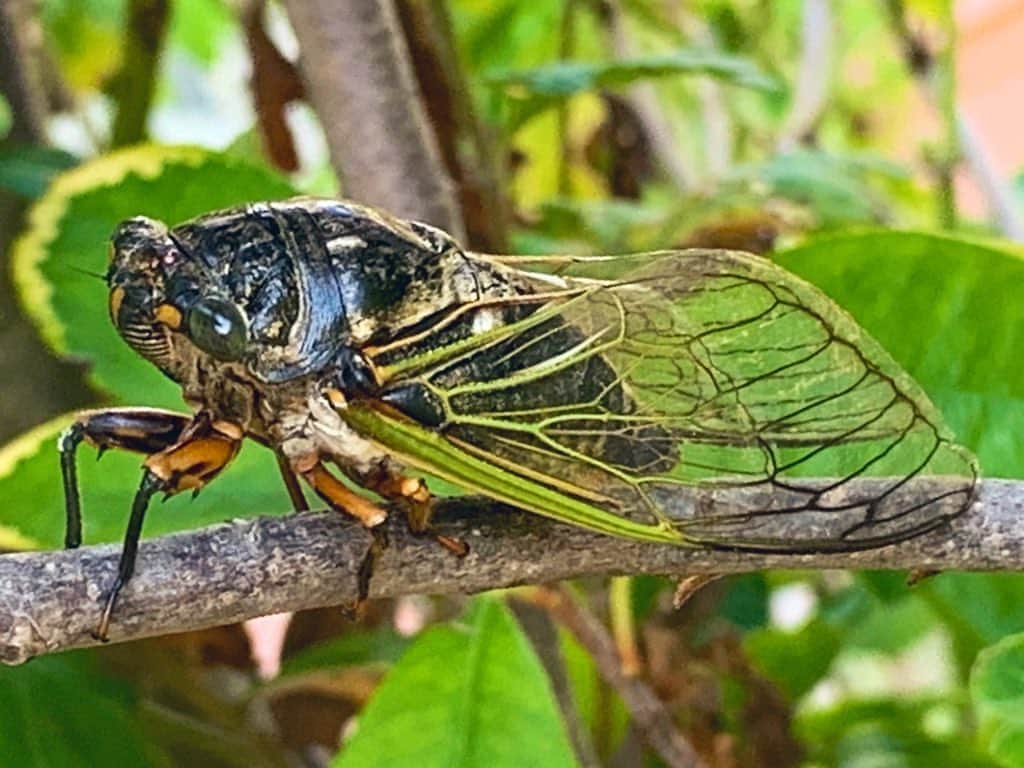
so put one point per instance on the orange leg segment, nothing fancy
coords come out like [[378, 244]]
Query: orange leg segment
[[419, 504], [336, 493]]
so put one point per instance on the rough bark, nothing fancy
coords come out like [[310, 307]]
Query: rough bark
[[358, 77], [245, 568]]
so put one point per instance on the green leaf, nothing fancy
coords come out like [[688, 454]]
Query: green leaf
[[354, 648], [834, 187], [745, 603], [462, 697], [892, 627], [978, 608], [59, 712], [997, 680], [1007, 745], [199, 26], [565, 78], [28, 171], [795, 661], [948, 310], [68, 231], [879, 733], [997, 690]]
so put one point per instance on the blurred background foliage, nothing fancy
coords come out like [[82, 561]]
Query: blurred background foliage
[[825, 135]]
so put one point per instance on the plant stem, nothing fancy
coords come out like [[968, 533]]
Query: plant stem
[[135, 82]]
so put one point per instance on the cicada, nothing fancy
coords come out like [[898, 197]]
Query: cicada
[[625, 394]]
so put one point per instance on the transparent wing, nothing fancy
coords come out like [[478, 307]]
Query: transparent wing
[[658, 386]]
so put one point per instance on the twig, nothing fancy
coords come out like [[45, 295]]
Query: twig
[[649, 715], [469, 148], [357, 72], [716, 122], [566, 39], [1000, 198], [275, 84], [920, 62], [135, 83], [36, 385], [644, 100], [246, 568], [814, 76], [539, 628], [21, 76]]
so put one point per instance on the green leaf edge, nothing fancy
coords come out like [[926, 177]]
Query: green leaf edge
[[993, 245], [999, 711], [30, 250], [22, 447]]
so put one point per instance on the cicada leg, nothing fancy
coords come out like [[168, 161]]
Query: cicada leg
[[342, 498], [142, 430], [291, 483], [336, 493], [184, 455], [413, 493]]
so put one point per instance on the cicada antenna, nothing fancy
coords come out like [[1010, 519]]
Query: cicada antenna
[[87, 272]]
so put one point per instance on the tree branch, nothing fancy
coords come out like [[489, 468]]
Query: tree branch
[[811, 91], [49, 601], [650, 715], [358, 76], [21, 77], [134, 86], [921, 64]]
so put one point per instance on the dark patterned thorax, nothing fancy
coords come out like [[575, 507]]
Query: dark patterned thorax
[[314, 276]]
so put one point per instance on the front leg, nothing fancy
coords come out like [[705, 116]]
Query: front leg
[[200, 449], [142, 430]]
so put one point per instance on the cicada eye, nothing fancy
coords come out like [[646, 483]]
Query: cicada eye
[[217, 326]]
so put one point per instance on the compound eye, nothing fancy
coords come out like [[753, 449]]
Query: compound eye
[[216, 326]]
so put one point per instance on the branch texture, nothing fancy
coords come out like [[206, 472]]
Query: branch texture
[[358, 76], [49, 601]]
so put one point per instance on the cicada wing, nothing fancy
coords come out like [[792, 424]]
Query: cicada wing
[[710, 392]]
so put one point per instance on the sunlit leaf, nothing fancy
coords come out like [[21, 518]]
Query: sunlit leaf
[[200, 26], [5, 117], [1007, 745], [87, 37], [461, 697], [29, 470]]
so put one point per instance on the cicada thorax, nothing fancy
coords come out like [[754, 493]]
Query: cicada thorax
[[316, 277]]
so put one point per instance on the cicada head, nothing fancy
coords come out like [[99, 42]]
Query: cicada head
[[167, 302]]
